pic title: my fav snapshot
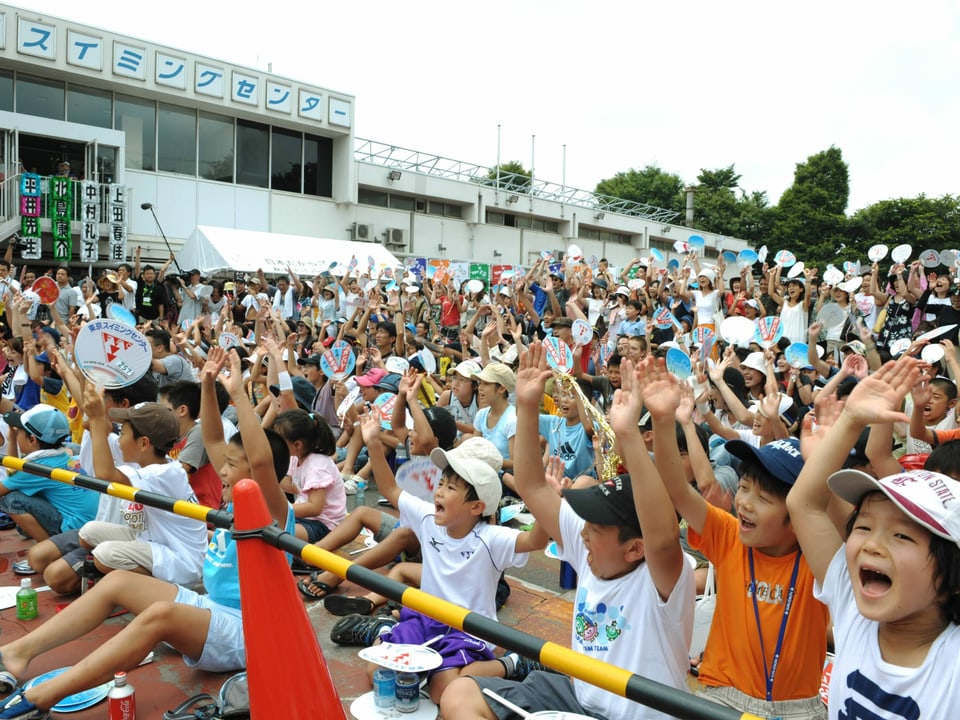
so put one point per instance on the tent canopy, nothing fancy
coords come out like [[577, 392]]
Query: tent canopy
[[212, 249]]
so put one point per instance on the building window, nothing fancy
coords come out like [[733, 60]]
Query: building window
[[253, 153], [286, 160], [664, 245], [43, 98], [6, 91], [88, 106], [403, 202], [318, 166], [138, 120], [216, 147], [177, 140], [445, 209], [365, 196]]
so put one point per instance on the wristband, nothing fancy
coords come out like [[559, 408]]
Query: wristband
[[284, 382]]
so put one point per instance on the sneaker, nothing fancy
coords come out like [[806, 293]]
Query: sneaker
[[17, 707], [521, 666], [350, 483], [360, 630], [22, 567]]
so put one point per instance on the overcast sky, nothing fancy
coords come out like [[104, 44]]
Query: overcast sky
[[683, 85]]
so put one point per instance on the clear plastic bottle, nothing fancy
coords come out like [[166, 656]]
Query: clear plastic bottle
[[122, 699], [27, 601], [361, 497]]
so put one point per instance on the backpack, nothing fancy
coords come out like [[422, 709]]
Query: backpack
[[232, 703]]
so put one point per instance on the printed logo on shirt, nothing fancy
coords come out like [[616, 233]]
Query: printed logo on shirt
[[436, 544], [597, 628], [867, 700], [133, 516], [766, 594]]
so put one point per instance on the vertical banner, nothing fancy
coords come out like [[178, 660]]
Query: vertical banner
[[89, 222], [61, 208], [118, 223], [30, 205]]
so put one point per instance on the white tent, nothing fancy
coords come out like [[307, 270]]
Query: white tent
[[213, 249]]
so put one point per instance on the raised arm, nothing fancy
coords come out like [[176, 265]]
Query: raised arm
[[661, 532], [661, 393], [876, 398]]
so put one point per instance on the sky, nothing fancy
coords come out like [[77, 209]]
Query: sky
[[681, 85]]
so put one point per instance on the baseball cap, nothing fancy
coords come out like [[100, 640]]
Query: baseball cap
[[561, 322], [506, 292], [500, 374], [389, 382], [929, 498], [443, 425], [52, 332], [371, 377], [600, 283], [752, 303], [397, 364], [44, 422], [468, 369], [43, 358], [558, 274], [475, 472], [153, 420], [479, 448], [854, 346], [303, 392], [780, 458], [310, 360], [609, 503]]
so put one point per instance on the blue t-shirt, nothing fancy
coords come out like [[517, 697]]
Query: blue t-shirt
[[634, 328], [221, 573], [76, 505], [500, 433], [570, 443]]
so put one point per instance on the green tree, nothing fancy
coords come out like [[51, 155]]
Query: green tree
[[925, 223], [723, 207], [651, 186], [810, 218], [513, 177]]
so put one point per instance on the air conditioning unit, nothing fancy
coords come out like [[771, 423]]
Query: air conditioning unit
[[362, 232], [395, 238]]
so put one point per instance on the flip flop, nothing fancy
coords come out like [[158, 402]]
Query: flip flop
[[299, 567], [306, 587], [343, 605]]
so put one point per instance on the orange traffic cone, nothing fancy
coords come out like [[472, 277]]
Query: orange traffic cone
[[283, 656]]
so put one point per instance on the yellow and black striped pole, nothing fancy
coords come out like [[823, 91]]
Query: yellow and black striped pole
[[603, 675]]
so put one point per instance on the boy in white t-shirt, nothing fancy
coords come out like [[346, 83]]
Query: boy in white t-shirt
[[152, 541], [635, 593], [463, 555]]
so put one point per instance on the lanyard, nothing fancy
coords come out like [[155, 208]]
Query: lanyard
[[769, 674]]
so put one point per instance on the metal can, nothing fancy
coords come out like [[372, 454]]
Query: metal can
[[408, 692], [384, 688]]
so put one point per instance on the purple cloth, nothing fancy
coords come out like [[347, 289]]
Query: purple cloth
[[456, 647]]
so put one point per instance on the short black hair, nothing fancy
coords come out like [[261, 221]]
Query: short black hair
[[183, 392]]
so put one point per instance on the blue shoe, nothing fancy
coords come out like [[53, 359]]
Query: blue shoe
[[17, 707]]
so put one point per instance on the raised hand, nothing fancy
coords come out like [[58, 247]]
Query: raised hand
[[554, 470], [856, 366], [532, 375], [878, 397], [216, 359], [684, 412], [660, 389], [370, 428], [813, 332]]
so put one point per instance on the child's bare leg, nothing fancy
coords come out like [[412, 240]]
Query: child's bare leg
[[383, 553]]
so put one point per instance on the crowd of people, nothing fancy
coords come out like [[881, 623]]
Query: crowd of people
[[810, 462]]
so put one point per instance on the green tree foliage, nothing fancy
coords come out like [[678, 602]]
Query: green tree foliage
[[722, 207], [651, 186], [513, 177], [925, 223], [810, 219]]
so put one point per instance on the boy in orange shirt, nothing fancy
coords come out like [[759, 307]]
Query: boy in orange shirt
[[767, 643]]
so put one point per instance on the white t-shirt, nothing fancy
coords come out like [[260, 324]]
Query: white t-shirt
[[179, 543], [108, 510], [707, 310], [463, 571], [625, 623], [863, 684], [130, 296]]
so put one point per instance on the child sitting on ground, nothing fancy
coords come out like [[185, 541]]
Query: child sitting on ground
[[467, 555]]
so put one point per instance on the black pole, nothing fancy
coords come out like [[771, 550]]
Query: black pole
[[149, 206]]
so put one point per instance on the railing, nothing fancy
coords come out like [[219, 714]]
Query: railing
[[391, 156]]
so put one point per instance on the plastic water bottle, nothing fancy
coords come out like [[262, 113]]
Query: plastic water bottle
[[361, 498], [121, 700], [27, 601]]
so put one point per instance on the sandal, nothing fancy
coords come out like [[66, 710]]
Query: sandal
[[308, 587], [343, 605], [300, 567]]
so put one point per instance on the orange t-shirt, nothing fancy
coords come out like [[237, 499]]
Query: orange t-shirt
[[733, 657]]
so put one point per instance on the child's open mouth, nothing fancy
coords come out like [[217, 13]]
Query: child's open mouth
[[873, 582]]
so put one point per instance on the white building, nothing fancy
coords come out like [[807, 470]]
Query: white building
[[207, 143]]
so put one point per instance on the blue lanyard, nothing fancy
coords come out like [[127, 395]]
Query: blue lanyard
[[769, 674]]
